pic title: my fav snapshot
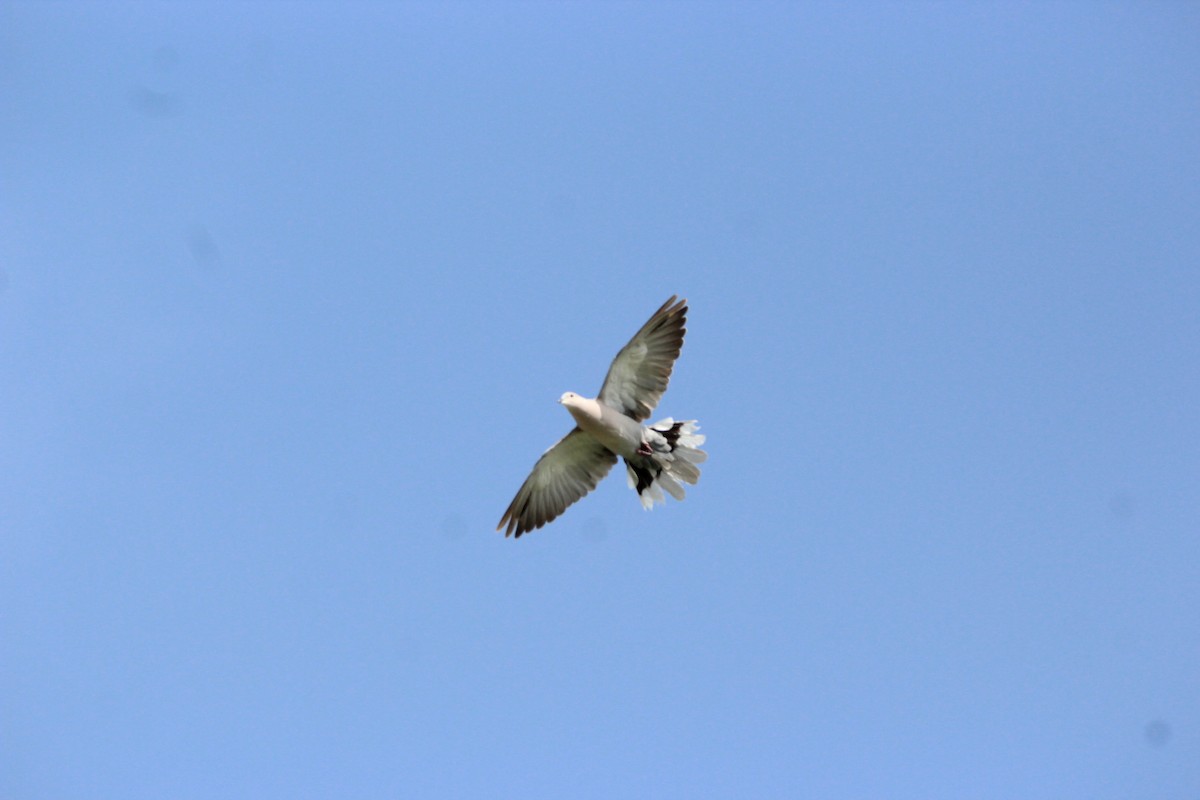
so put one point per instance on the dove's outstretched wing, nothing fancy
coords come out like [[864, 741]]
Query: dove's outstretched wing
[[566, 472], [640, 372]]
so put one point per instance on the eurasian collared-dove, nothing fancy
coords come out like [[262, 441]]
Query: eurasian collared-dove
[[657, 456]]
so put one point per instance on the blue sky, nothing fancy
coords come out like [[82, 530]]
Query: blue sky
[[288, 293]]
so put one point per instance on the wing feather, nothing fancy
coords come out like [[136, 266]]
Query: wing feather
[[640, 372], [566, 472]]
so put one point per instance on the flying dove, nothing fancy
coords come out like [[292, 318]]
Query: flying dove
[[657, 456]]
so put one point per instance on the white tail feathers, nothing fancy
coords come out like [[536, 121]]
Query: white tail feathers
[[674, 453]]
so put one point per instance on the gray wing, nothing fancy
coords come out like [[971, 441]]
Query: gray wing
[[566, 472], [640, 372]]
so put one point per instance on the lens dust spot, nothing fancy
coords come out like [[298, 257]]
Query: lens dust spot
[[1121, 505], [203, 248], [1158, 733], [151, 103], [595, 529], [453, 528]]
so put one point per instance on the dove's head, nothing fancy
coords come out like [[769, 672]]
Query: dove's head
[[580, 407]]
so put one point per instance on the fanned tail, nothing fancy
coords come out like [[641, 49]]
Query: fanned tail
[[673, 453]]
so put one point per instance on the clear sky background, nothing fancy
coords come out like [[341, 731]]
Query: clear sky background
[[287, 296]]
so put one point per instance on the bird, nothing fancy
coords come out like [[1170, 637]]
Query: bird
[[657, 457]]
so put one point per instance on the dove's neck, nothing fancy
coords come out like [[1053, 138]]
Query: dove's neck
[[611, 428], [585, 410]]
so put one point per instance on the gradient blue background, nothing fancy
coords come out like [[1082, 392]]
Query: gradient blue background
[[290, 291]]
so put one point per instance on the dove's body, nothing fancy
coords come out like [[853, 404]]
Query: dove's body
[[609, 427], [657, 456]]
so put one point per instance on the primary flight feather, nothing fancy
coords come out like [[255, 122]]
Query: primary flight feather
[[657, 456]]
